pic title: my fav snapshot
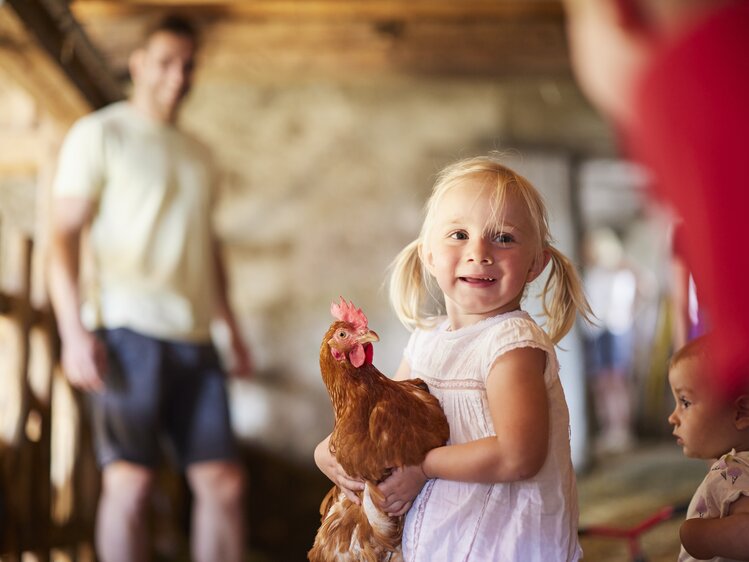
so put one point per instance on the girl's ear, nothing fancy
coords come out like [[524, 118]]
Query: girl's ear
[[538, 265], [428, 258], [742, 412]]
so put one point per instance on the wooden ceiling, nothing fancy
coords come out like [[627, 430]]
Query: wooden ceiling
[[291, 40]]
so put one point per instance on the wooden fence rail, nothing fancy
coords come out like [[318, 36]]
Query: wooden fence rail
[[48, 484]]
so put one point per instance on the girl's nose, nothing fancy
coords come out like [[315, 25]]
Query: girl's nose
[[479, 252]]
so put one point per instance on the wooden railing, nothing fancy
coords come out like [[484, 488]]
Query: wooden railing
[[48, 479]]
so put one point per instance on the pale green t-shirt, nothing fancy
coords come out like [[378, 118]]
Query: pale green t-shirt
[[151, 234]]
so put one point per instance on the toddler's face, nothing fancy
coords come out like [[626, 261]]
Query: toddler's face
[[703, 425]]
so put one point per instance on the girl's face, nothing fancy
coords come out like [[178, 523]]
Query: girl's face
[[481, 258], [703, 425]]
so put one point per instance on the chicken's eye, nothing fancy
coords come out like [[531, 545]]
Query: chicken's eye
[[342, 334]]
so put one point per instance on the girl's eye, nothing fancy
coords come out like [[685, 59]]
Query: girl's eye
[[459, 235], [503, 238], [684, 402]]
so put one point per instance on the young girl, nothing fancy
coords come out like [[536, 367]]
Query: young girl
[[708, 427], [503, 488]]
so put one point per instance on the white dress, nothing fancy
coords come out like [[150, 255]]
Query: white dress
[[533, 520]]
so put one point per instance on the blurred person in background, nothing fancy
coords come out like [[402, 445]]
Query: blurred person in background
[[136, 335], [673, 77], [611, 288]]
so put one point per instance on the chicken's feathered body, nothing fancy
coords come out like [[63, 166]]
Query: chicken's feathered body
[[380, 424]]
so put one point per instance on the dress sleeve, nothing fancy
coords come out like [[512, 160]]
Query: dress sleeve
[[80, 167], [515, 333], [726, 482]]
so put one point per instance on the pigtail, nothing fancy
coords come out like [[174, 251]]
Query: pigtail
[[407, 285], [567, 296]]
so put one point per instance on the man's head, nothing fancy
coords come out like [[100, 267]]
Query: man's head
[[162, 67]]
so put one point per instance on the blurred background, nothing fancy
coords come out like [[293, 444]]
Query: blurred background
[[329, 119]]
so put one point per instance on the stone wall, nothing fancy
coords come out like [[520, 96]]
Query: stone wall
[[324, 182]]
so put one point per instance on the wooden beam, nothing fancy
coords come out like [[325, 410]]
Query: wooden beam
[[310, 10], [58, 33], [25, 64], [20, 151], [285, 50]]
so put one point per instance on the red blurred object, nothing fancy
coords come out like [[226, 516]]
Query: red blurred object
[[691, 128], [632, 534]]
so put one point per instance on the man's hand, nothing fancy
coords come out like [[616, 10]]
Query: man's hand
[[242, 359], [84, 360]]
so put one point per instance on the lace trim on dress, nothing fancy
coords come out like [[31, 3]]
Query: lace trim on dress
[[478, 521], [460, 384], [420, 513]]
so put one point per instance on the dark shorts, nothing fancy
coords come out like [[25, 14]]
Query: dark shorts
[[609, 352], [161, 397]]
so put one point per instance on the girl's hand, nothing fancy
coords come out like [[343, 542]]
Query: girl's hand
[[400, 489], [350, 486], [329, 466]]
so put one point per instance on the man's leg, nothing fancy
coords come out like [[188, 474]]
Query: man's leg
[[121, 520], [218, 518]]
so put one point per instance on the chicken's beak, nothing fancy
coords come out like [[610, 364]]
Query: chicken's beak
[[368, 337]]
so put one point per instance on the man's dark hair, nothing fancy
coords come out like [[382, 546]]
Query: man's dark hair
[[175, 24]]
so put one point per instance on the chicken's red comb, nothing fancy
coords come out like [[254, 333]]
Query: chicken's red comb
[[347, 312]]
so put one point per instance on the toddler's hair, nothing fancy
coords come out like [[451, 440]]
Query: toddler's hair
[[698, 348], [414, 293]]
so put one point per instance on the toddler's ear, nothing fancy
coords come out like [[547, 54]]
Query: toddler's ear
[[742, 412]]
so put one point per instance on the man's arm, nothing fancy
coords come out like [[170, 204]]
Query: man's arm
[[242, 360], [83, 356]]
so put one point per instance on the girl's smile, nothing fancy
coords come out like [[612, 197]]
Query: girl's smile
[[481, 255]]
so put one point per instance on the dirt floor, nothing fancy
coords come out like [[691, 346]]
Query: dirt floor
[[625, 489], [619, 490]]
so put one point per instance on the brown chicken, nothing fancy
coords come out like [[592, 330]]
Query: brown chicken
[[380, 424]]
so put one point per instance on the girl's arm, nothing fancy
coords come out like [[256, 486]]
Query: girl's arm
[[403, 372], [517, 398], [330, 467], [516, 392], [725, 537]]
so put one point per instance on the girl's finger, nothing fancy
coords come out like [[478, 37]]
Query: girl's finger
[[402, 511], [351, 496]]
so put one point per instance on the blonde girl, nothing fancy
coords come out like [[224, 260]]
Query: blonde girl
[[503, 488]]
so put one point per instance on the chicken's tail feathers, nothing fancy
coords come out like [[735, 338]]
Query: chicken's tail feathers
[[387, 530], [349, 533], [330, 498]]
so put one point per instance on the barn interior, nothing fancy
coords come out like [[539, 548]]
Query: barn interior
[[329, 120]]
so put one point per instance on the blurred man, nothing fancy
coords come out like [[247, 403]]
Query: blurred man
[[137, 337]]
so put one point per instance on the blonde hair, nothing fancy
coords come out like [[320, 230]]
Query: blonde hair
[[414, 293]]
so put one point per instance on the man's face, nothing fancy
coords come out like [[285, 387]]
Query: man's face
[[163, 69]]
